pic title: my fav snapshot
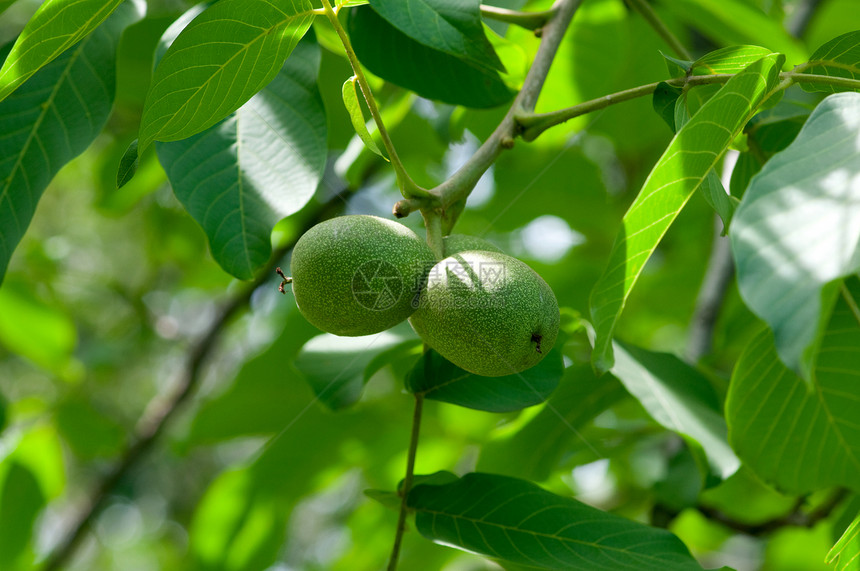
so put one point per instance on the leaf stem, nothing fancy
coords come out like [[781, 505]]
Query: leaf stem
[[646, 11], [433, 224], [408, 187], [457, 188], [527, 20], [533, 124], [407, 481], [796, 517]]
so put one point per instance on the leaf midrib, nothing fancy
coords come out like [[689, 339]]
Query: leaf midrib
[[46, 107], [506, 528], [16, 82], [196, 90]]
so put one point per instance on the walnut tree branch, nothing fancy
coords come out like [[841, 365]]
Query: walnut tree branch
[[456, 189], [795, 518]]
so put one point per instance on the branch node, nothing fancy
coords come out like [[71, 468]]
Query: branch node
[[507, 142]]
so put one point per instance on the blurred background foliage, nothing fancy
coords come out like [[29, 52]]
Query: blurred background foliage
[[109, 291]]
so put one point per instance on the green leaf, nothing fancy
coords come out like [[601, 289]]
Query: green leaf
[[786, 277], [52, 119], [514, 520], [3, 415], [732, 59], [419, 68], [536, 449], [350, 101], [717, 198], [840, 57], [796, 437], [767, 133], [334, 366], [738, 22], [5, 4], [664, 101], [127, 165], [679, 398], [712, 187], [236, 527], [454, 28], [55, 27], [21, 501], [218, 62], [261, 164], [694, 151], [677, 67], [438, 379], [846, 552], [33, 329]]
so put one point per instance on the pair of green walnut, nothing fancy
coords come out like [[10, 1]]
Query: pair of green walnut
[[484, 311]]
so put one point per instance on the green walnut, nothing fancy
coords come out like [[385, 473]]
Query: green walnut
[[487, 313], [456, 243], [357, 275]]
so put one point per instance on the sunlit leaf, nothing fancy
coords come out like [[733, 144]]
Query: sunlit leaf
[[33, 329], [260, 164], [793, 436], [218, 62], [695, 150], [812, 188], [514, 520], [846, 552], [50, 120], [451, 27], [438, 379], [54, 28], [681, 399], [840, 57], [236, 527], [732, 59]]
